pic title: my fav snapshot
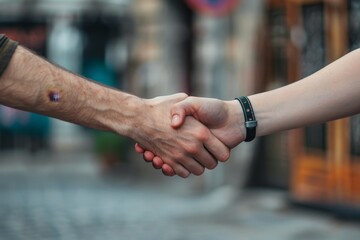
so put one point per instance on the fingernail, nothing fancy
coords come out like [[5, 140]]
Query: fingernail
[[175, 119]]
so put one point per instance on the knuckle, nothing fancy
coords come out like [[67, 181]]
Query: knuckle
[[177, 156], [192, 148], [203, 134]]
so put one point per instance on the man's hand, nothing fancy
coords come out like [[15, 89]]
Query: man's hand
[[224, 119], [187, 149]]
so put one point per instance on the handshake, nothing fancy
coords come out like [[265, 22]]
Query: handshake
[[180, 134], [184, 135]]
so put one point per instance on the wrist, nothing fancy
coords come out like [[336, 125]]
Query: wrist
[[132, 115], [116, 111], [236, 121]]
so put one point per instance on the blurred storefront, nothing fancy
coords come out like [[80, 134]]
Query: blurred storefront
[[318, 164]]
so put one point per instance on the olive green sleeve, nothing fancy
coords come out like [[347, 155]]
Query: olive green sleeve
[[7, 49]]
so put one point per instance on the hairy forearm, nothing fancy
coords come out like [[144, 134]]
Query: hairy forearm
[[33, 84], [329, 94]]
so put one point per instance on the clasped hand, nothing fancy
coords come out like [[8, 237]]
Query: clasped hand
[[191, 133]]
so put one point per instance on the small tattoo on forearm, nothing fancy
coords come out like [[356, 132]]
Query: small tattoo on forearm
[[54, 96]]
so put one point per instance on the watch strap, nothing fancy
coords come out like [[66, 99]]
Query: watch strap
[[249, 115]]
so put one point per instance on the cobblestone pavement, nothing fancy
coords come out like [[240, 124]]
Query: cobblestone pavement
[[69, 199]]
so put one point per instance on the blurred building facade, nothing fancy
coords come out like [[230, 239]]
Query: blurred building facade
[[322, 160]]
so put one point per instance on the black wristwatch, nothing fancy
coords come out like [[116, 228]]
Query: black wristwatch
[[249, 115]]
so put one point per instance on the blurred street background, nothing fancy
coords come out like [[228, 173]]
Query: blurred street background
[[62, 181]]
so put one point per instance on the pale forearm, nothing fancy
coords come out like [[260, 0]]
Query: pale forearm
[[331, 93], [31, 83]]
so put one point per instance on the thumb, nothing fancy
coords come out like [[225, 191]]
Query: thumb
[[179, 111], [177, 120]]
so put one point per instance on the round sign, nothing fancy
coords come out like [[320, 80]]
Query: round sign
[[213, 7]]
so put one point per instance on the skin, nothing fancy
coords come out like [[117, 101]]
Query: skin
[[33, 84], [222, 117], [329, 94]]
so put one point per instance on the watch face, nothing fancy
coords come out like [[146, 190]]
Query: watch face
[[213, 7]]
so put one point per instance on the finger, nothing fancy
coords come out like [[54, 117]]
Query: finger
[[138, 148], [206, 159], [181, 171], [155, 165], [178, 168], [192, 165], [167, 170], [216, 148], [148, 156], [158, 162], [177, 119]]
